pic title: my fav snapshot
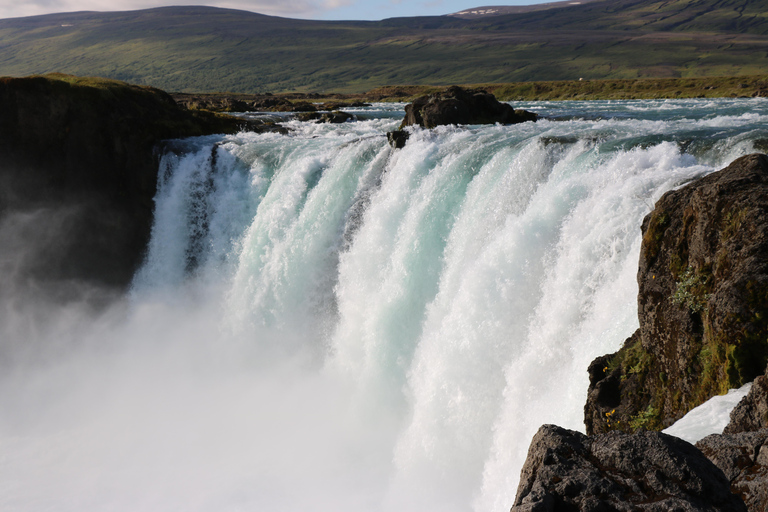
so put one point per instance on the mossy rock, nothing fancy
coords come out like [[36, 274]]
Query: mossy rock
[[702, 302]]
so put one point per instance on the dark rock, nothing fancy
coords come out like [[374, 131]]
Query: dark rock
[[270, 104], [338, 105], [326, 117], [752, 411], [743, 458], [461, 106], [568, 471], [397, 138], [702, 303], [301, 106], [82, 151]]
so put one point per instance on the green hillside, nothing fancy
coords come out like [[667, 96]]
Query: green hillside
[[209, 49]]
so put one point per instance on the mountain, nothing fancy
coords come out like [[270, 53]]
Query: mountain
[[497, 10], [211, 49]]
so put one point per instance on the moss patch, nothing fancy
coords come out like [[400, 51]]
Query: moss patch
[[654, 234]]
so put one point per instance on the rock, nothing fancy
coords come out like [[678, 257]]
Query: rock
[[82, 151], [397, 138], [752, 411], [300, 106], [326, 117], [456, 105], [743, 458], [702, 303], [338, 105], [566, 470]]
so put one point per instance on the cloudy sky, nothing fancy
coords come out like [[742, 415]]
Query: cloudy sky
[[308, 9]]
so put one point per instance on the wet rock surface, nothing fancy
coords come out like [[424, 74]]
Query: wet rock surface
[[566, 470]]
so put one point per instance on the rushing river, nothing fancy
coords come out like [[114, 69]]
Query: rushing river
[[326, 323]]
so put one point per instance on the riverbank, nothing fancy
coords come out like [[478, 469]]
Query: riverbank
[[647, 88]]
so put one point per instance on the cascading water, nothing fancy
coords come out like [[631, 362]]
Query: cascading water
[[323, 321]]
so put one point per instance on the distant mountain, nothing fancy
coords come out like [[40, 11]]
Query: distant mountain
[[210, 49], [497, 10]]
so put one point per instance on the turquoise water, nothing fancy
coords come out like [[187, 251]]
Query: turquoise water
[[323, 321]]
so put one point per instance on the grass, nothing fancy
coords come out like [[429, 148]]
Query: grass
[[197, 49]]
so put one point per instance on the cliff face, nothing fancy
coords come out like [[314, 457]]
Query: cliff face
[[702, 304], [78, 171]]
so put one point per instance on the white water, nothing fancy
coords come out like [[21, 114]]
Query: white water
[[326, 322], [711, 417]]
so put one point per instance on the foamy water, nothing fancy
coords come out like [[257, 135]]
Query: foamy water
[[324, 322]]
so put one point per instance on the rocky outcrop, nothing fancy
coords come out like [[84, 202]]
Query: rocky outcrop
[[566, 470], [265, 102], [743, 458], [78, 167], [702, 303], [326, 117], [752, 411], [397, 138], [456, 105]]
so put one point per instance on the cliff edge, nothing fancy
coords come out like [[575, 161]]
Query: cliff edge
[[78, 171]]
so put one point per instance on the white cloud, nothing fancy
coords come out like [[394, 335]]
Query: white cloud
[[290, 8]]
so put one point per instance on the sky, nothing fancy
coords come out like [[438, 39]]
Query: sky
[[305, 9]]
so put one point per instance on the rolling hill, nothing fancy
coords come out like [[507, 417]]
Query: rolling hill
[[211, 49]]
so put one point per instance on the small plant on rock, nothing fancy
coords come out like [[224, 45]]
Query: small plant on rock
[[691, 291]]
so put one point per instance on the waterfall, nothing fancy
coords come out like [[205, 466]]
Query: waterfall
[[324, 321]]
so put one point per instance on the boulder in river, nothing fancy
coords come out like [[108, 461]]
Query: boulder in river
[[456, 105]]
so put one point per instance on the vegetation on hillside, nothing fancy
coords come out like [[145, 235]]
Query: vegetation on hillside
[[203, 49]]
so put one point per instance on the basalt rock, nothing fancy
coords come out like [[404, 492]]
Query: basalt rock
[[456, 105], [752, 411], [326, 117], [743, 458], [397, 138], [702, 303], [647, 471], [78, 169]]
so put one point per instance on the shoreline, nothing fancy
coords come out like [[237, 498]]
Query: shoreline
[[629, 89]]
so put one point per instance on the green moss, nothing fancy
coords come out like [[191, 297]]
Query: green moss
[[649, 419], [732, 222], [739, 352], [713, 360], [633, 358], [654, 234], [749, 355]]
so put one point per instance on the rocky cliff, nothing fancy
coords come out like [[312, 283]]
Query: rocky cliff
[[78, 169], [702, 304]]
